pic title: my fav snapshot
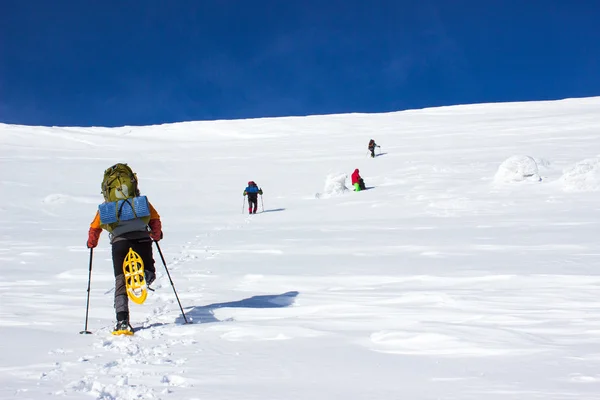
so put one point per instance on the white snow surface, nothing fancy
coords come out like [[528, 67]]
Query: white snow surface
[[435, 283]]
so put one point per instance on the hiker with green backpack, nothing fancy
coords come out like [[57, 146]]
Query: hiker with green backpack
[[132, 223]]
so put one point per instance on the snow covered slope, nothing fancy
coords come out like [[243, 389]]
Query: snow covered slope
[[469, 270]]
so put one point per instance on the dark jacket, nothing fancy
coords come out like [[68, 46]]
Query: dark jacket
[[252, 192]]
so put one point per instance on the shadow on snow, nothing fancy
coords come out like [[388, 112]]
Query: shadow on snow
[[274, 210], [205, 314]]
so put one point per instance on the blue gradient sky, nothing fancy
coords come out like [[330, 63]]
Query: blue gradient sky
[[111, 63]]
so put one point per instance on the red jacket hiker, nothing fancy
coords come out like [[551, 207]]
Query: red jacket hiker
[[355, 176], [357, 181]]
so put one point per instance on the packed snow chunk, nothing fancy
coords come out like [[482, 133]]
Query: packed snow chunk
[[335, 185], [518, 169], [583, 176]]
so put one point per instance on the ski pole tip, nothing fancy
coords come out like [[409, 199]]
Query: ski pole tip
[[85, 333]]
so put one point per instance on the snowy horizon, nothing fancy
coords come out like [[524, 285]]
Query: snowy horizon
[[451, 106], [468, 270]]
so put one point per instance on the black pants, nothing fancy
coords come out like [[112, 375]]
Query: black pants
[[372, 152], [252, 202], [120, 248]]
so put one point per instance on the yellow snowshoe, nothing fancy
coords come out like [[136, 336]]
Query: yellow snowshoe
[[123, 328], [135, 283]]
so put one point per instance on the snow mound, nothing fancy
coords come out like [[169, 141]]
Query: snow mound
[[518, 169], [584, 176], [335, 185]]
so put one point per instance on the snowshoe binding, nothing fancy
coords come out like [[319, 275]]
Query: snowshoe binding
[[123, 328]]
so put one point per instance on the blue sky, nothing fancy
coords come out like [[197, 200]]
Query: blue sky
[[112, 63]]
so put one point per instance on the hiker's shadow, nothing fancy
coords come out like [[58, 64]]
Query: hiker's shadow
[[380, 154], [205, 314], [274, 210], [366, 188]]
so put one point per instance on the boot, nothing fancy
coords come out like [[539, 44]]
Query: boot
[[123, 327]]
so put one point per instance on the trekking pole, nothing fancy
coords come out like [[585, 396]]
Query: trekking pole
[[243, 203], [170, 280], [87, 307], [262, 205]]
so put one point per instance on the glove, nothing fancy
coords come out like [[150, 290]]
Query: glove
[[150, 277], [155, 229], [93, 236]]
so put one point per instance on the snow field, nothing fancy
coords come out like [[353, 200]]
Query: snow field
[[445, 280]]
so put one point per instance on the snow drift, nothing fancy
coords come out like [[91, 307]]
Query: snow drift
[[518, 168], [584, 176], [335, 185]]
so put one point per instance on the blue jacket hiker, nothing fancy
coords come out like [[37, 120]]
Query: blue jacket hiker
[[252, 191]]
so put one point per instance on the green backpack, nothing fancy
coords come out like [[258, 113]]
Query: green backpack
[[119, 183]]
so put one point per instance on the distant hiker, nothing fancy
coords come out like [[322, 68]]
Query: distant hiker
[[357, 181], [252, 191], [372, 146], [128, 229]]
